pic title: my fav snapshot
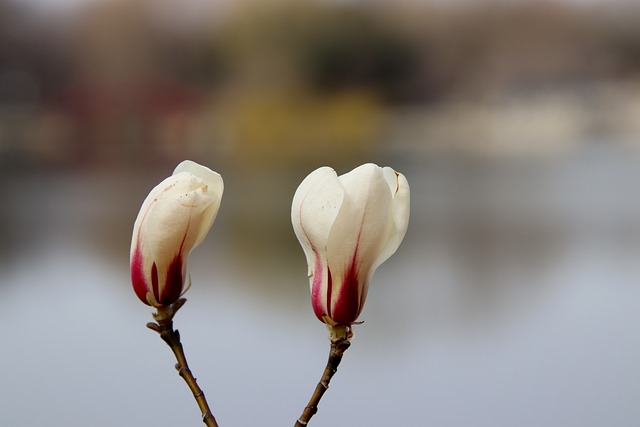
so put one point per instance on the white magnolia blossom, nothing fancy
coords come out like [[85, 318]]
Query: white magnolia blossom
[[174, 218], [348, 225]]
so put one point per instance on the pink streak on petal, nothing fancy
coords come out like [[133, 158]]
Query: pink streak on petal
[[140, 286], [319, 308], [348, 300], [154, 280], [329, 291], [174, 282], [347, 306]]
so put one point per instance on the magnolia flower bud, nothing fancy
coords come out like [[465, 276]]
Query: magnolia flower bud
[[348, 225], [174, 218]]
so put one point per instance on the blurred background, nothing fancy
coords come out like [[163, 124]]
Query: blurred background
[[513, 301]]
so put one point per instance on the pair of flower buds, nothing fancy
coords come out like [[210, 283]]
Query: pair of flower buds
[[347, 225]]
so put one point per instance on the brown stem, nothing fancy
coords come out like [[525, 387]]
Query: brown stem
[[339, 344], [164, 327]]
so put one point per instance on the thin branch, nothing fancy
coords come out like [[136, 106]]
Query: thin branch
[[164, 327], [339, 344]]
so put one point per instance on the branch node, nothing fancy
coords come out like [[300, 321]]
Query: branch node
[[154, 327]]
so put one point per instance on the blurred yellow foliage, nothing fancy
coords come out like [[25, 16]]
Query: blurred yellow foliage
[[282, 126]]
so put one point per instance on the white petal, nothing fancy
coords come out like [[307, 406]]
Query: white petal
[[315, 206], [212, 179], [165, 229], [400, 213], [363, 225], [212, 190]]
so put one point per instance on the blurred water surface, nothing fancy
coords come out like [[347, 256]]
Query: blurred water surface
[[514, 300]]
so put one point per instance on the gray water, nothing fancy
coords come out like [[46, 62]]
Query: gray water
[[513, 301]]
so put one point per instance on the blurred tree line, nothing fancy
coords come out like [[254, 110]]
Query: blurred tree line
[[141, 77]]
